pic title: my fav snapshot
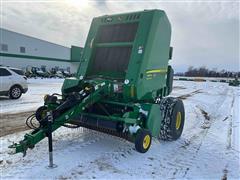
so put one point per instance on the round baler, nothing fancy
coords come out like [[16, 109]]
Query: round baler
[[122, 85]]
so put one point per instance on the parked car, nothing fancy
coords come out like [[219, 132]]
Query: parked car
[[13, 82]]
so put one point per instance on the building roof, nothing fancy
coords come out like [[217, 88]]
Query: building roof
[[32, 37]]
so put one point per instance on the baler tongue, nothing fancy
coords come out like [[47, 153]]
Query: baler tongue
[[60, 115], [17, 148]]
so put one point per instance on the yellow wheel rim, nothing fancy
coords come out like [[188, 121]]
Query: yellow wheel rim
[[178, 120], [146, 141], [44, 114]]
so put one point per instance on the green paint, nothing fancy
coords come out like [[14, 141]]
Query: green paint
[[76, 53], [34, 137], [153, 35], [33, 57], [134, 104], [154, 119]]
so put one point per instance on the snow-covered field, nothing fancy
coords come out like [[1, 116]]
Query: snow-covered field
[[13, 113], [208, 149]]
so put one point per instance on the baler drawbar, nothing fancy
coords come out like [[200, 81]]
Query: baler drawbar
[[60, 112]]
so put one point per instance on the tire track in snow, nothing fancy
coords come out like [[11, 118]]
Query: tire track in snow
[[216, 121], [191, 149], [230, 124], [229, 135], [181, 165], [185, 96]]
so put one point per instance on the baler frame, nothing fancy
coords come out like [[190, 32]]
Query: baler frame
[[129, 102]]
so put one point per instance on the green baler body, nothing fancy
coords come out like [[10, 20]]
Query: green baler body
[[131, 52], [123, 72], [133, 48]]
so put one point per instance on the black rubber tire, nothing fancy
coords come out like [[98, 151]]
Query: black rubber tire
[[170, 108], [139, 140], [41, 113], [15, 92]]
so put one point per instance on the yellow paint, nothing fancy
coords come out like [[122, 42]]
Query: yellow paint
[[178, 120], [87, 88], [146, 141], [132, 91], [156, 71]]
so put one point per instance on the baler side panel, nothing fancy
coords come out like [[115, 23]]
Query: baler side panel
[[138, 52], [154, 119], [156, 57]]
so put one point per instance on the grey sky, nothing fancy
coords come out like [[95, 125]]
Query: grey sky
[[203, 33]]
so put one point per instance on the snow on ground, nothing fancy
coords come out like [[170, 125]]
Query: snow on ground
[[37, 88], [208, 149], [19, 109]]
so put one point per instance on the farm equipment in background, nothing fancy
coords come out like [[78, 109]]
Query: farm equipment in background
[[234, 82], [34, 72], [121, 85], [66, 73], [46, 73], [57, 72], [53, 71], [38, 72], [29, 73]]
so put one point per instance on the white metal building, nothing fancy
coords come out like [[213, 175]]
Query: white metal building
[[22, 51]]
